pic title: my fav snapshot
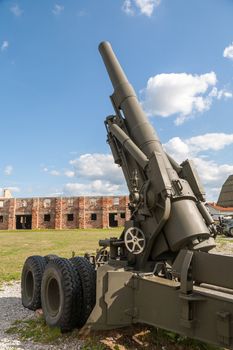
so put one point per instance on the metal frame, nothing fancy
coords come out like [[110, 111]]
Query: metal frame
[[201, 311]]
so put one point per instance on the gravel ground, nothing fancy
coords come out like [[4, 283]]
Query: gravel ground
[[11, 310]]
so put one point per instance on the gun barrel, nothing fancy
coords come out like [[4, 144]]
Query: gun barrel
[[113, 67], [139, 128], [143, 145]]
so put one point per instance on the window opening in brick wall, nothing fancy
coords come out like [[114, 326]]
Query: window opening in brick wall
[[116, 201], [70, 217], [122, 215], [112, 220], [46, 217], [93, 216], [1, 218], [1, 204], [23, 222]]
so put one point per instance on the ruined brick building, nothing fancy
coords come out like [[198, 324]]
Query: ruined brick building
[[63, 212], [83, 212]]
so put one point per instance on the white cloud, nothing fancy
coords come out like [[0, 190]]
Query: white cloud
[[127, 7], [223, 93], [178, 149], [92, 174], [190, 148], [209, 141], [69, 173], [54, 173], [228, 52], [8, 170], [227, 94], [57, 9], [96, 174], [178, 93], [16, 10], [4, 46], [96, 187], [211, 173], [181, 94], [97, 166], [145, 7]]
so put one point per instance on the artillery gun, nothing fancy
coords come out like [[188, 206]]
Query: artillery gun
[[159, 271]]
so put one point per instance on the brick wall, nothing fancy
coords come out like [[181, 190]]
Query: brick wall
[[93, 212], [11, 214], [47, 213], [70, 213], [35, 213], [5, 208], [65, 212]]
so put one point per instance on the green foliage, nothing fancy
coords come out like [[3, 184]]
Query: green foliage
[[93, 345], [161, 337], [138, 337], [35, 330]]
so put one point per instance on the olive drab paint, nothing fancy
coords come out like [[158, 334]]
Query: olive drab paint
[[159, 271]]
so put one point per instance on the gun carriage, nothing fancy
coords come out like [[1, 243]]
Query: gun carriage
[[160, 270]]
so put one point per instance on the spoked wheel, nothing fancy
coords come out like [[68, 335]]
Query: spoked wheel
[[135, 240], [31, 281], [87, 276], [231, 231], [61, 294]]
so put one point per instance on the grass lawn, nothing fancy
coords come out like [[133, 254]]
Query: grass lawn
[[16, 246]]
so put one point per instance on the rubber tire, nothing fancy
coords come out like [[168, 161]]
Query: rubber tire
[[31, 278], [61, 294], [230, 234], [50, 257], [87, 276]]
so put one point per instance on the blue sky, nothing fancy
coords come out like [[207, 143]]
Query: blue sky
[[54, 89]]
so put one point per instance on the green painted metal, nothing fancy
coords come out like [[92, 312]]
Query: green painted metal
[[164, 196], [159, 271]]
